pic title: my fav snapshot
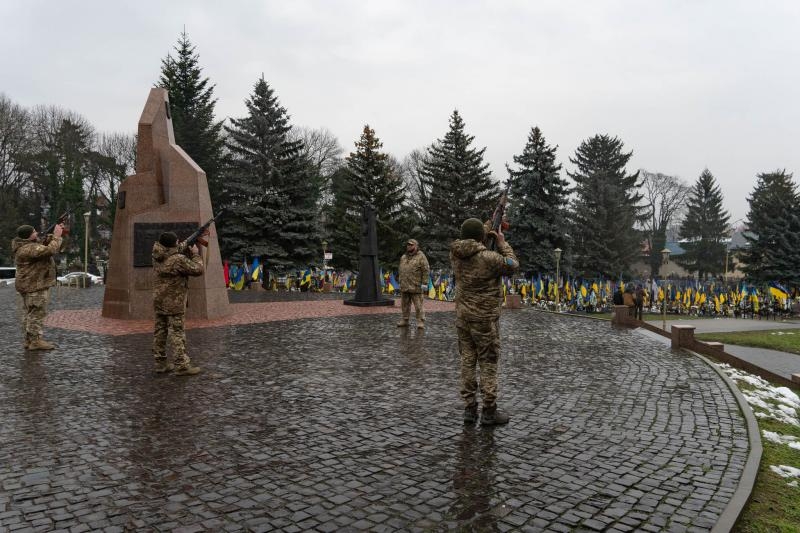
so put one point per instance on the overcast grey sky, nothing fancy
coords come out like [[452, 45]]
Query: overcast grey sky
[[685, 84]]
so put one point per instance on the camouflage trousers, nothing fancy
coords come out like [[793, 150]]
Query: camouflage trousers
[[34, 311], [406, 299], [170, 328], [479, 346]]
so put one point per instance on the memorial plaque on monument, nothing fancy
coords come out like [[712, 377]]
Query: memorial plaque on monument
[[145, 234]]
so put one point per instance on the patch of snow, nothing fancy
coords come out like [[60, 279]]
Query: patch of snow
[[789, 440], [780, 403], [786, 471]]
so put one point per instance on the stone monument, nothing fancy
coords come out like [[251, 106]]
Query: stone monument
[[169, 192], [368, 290]]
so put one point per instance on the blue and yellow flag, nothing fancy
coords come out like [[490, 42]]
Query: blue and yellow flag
[[238, 280], [777, 291]]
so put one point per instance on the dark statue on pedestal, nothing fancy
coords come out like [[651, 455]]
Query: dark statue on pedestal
[[368, 288]]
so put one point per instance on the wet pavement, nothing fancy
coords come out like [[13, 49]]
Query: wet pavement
[[346, 423]]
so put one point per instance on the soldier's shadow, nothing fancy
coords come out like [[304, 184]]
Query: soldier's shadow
[[473, 479]]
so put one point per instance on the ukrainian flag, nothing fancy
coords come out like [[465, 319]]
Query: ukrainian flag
[[238, 280], [255, 272], [777, 291]]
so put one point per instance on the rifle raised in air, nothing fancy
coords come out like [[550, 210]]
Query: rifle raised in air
[[60, 220], [197, 236], [497, 217]]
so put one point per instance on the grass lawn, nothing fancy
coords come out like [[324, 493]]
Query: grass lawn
[[785, 340], [774, 506]]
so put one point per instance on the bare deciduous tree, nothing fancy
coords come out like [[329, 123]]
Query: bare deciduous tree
[[416, 185], [119, 148], [321, 148], [665, 199], [14, 140]]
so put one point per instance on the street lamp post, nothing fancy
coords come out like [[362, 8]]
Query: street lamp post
[[664, 261], [85, 247], [324, 254], [557, 251]]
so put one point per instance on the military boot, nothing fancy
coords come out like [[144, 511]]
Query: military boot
[[163, 366], [403, 323], [187, 371], [471, 413], [40, 344], [420, 324], [492, 416]]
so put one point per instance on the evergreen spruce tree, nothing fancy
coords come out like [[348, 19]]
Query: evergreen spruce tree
[[538, 199], [606, 209], [192, 103], [342, 219], [705, 228], [773, 235], [268, 190], [368, 178], [458, 186]]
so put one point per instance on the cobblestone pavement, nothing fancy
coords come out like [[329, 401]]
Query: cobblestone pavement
[[347, 423]]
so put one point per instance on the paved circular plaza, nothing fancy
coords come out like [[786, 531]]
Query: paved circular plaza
[[336, 423]]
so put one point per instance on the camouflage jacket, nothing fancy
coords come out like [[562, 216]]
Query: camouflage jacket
[[414, 272], [36, 269], [171, 286], [478, 277]]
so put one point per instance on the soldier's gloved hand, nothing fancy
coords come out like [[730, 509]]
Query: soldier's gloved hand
[[194, 250]]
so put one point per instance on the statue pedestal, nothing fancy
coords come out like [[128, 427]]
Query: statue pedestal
[[373, 303]]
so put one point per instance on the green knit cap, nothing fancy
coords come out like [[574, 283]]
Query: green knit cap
[[472, 228], [25, 232], [168, 239]]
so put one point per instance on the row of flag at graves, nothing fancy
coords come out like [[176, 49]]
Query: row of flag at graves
[[239, 276], [440, 285], [314, 280], [716, 298], [568, 291], [681, 296]]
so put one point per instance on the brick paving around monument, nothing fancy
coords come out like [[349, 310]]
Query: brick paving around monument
[[347, 423]]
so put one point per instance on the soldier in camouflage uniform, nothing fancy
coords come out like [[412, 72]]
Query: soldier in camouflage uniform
[[171, 286], [36, 273], [414, 272], [478, 273]]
